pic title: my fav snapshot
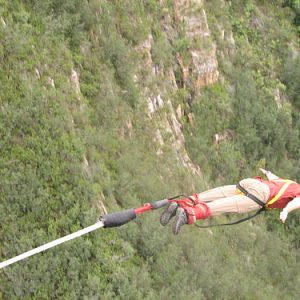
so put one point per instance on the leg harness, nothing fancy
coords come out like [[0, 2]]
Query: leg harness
[[194, 208]]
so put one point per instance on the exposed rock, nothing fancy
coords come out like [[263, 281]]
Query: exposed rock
[[75, 82], [170, 123], [190, 118], [51, 82], [279, 96], [129, 126], [223, 137], [196, 25], [182, 7], [101, 206], [154, 104], [173, 125], [159, 138], [176, 125], [230, 38], [202, 69], [85, 166], [3, 22], [145, 49], [126, 130], [37, 73], [184, 69], [231, 41], [172, 79], [294, 50], [179, 112], [205, 67], [227, 36]]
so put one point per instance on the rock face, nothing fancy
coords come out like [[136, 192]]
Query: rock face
[[205, 68], [202, 68], [199, 70], [75, 83]]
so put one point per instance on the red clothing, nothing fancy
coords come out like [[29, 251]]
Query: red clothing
[[292, 191]]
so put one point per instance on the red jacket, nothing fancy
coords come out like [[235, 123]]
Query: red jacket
[[292, 191]]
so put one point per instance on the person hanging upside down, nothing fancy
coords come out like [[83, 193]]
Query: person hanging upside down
[[249, 195]]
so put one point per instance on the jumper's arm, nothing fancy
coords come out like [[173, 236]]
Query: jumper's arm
[[292, 205], [269, 174]]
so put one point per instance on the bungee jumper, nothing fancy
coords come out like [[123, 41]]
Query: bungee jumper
[[250, 194]]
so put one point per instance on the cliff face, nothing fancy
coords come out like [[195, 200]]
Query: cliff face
[[193, 68], [202, 68]]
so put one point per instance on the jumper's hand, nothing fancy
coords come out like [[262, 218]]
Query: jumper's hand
[[269, 174], [263, 171], [283, 215]]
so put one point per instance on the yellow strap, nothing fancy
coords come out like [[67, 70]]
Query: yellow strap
[[239, 192], [281, 191]]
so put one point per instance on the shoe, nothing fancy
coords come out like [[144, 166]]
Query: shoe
[[168, 213], [180, 220]]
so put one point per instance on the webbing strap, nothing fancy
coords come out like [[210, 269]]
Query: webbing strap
[[232, 223], [252, 197], [281, 191]]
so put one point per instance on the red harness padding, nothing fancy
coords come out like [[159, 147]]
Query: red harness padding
[[195, 209]]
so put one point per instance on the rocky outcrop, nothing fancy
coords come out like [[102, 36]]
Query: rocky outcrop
[[223, 136], [50, 82], [101, 206], [199, 70], [205, 69], [170, 124], [145, 49], [178, 141], [3, 22], [167, 119], [202, 67], [155, 102], [75, 83], [279, 95]]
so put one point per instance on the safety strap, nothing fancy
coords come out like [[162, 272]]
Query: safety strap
[[232, 223], [281, 191], [252, 197], [185, 201]]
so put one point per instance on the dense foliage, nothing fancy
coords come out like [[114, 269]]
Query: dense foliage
[[62, 150]]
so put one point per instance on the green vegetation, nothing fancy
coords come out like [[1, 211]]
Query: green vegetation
[[63, 150]]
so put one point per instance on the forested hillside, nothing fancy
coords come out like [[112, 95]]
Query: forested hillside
[[105, 105]]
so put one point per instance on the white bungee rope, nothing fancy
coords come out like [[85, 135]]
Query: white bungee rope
[[114, 219], [54, 243]]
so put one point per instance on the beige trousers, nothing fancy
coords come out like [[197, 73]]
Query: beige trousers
[[227, 200]]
